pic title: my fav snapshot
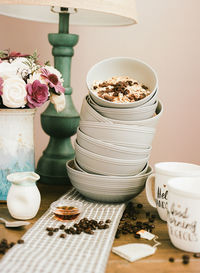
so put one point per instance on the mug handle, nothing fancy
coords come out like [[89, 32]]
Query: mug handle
[[148, 189]]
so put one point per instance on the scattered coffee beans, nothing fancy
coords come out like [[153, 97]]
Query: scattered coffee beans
[[84, 225], [128, 225], [4, 245]]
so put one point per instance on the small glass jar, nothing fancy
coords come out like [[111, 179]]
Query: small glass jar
[[67, 210]]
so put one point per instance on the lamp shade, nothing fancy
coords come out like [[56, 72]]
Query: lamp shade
[[88, 12]]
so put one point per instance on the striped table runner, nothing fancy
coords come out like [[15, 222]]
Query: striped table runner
[[82, 253]]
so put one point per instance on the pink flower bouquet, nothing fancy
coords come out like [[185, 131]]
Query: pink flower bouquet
[[24, 83]]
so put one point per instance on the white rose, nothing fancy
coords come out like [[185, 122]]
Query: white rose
[[58, 101], [53, 70], [7, 70], [14, 93], [37, 76]]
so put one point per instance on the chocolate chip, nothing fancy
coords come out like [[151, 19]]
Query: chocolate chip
[[171, 259], [20, 241]]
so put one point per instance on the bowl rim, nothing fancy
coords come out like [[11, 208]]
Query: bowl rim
[[123, 111], [106, 159], [120, 58], [115, 126], [112, 177], [113, 147]]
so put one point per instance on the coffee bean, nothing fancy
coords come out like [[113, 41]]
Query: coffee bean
[[106, 226], [2, 250], [147, 214], [49, 229], [12, 244], [55, 229], [108, 221], [66, 230], [185, 257], [137, 236], [151, 220], [62, 235], [20, 241], [171, 259], [117, 235], [50, 233], [196, 255], [186, 261], [62, 227]]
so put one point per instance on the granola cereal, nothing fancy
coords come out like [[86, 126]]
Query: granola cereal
[[121, 89]]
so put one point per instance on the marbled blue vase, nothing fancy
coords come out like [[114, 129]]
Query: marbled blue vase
[[16, 144]]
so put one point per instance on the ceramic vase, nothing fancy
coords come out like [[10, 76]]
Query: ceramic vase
[[16, 144]]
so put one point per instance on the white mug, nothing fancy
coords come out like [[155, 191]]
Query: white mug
[[163, 172], [183, 217]]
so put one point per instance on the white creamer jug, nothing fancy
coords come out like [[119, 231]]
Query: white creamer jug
[[23, 198]]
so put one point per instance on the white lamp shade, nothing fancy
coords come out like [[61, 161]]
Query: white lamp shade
[[89, 12]]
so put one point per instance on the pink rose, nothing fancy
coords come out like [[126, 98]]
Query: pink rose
[[37, 94], [1, 86]]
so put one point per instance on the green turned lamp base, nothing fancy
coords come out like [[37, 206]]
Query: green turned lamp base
[[59, 126]]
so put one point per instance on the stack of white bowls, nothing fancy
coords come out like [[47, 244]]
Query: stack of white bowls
[[114, 140]]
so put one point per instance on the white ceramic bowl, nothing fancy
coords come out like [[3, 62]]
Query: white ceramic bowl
[[127, 114], [77, 167], [122, 66], [94, 163], [89, 114], [110, 150], [118, 132], [106, 188]]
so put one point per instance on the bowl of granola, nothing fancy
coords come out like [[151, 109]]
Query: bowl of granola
[[122, 82]]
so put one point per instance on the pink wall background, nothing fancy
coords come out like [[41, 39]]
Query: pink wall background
[[167, 37]]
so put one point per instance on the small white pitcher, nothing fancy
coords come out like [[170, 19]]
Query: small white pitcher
[[23, 198]]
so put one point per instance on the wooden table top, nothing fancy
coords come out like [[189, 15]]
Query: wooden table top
[[157, 263]]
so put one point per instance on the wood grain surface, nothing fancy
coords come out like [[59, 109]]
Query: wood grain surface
[[158, 263]]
